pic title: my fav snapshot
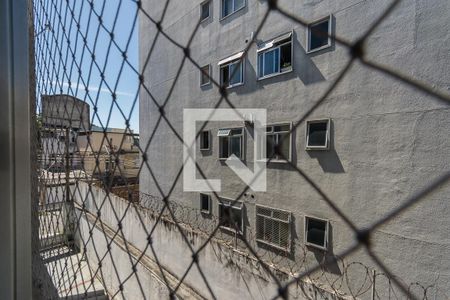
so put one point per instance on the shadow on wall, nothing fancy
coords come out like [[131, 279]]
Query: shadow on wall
[[333, 265], [303, 68], [328, 160]]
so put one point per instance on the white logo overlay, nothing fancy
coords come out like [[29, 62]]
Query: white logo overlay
[[256, 118]]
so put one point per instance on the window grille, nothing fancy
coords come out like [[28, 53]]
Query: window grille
[[273, 227]]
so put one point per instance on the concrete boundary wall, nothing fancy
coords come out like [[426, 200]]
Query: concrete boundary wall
[[240, 279]]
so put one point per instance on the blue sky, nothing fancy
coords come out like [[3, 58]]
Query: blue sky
[[119, 78]]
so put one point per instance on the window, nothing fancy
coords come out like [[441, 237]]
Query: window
[[205, 203], [110, 165], [278, 136], [231, 74], [230, 216], [204, 140], [231, 6], [319, 35], [275, 57], [316, 233], [273, 227], [231, 70], [205, 75], [230, 142], [318, 134], [204, 10]]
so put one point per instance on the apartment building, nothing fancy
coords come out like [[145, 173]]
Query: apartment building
[[369, 146], [63, 116], [116, 150]]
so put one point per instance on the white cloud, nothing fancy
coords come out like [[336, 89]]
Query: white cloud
[[91, 89]]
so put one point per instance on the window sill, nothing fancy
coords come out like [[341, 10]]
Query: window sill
[[230, 14], [205, 84], [273, 161], [275, 74], [204, 149], [320, 148], [234, 85], [274, 246], [316, 246], [205, 19], [226, 158], [206, 212], [319, 49], [231, 230]]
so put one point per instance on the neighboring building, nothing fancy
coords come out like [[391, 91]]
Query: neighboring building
[[54, 147], [110, 146], [373, 143], [62, 111], [63, 116]]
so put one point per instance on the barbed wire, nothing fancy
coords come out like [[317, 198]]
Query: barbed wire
[[64, 49]]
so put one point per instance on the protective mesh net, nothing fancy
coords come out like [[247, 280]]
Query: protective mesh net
[[101, 235]]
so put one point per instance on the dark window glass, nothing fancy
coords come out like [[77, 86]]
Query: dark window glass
[[271, 61], [231, 144], [205, 11], [231, 74], [230, 6], [279, 128], [205, 202], [231, 217], [224, 75], [204, 75], [318, 35], [260, 65], [317, 134], [236, 145], [204, 140], [270, 150], [235, 70], [236, 131], [224, 147], [316, 230], [227, 6], [285, 57]]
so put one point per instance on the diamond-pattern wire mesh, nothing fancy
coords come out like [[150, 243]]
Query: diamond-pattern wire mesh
[[76, 43]]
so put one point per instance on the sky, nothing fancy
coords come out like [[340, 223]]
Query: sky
[[118, 17]]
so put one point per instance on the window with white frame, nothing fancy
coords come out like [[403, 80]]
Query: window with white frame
[[231, 70], [231, 217], [205, 140], [205, 10], [205, 72], [231, 141], [278, 142], [273, 227], [318, 134], [319, 34], [231, 6], [205, 203], [275, 57], [316, 232]]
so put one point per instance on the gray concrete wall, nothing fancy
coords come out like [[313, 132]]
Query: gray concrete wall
[[387, 139], [229, 272]]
